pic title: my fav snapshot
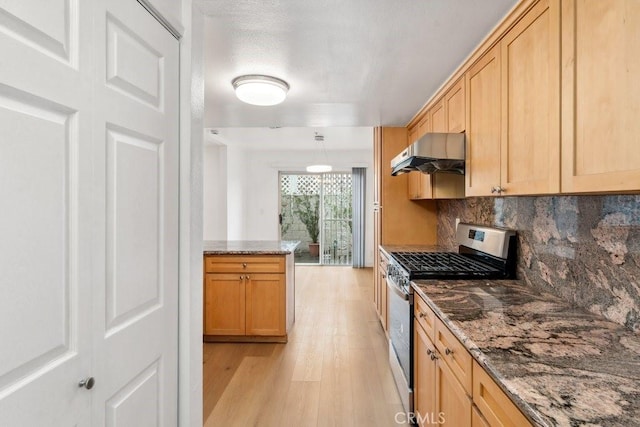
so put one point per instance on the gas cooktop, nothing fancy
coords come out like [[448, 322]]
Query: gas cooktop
[[483, 253], [440, 264]]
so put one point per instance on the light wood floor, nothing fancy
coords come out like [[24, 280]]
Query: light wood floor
[[332, 372]]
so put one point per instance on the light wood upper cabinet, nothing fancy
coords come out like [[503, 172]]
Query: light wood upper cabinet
[[513, 110], [530, 54], [454, 104], [600, 92], [482, 166], [419, 184], [442, 185], [438, 117]]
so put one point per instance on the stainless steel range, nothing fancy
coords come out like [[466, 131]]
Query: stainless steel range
[[483, 253]]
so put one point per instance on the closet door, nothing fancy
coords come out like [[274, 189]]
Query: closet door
[[45, 243], [136, 264]]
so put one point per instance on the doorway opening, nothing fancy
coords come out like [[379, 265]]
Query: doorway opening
[[316, 209]]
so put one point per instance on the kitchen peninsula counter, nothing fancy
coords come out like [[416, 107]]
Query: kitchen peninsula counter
[[249, 247], [249, 290], [562, 366]]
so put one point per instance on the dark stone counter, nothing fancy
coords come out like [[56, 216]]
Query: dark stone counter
[[249, 247], [563, 366]]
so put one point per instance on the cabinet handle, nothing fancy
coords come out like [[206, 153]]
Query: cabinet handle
[[447, 351], [384, 276], [497, 189]]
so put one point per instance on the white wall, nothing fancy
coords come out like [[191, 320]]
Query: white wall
[[251, 191], [236, 194], [215, 196]]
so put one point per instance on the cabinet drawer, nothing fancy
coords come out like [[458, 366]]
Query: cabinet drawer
[[494, 405], [384, 262], [454, 354], [424, 316], [244, 264]]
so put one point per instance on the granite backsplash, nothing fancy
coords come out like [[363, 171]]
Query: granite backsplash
[[585, 249]]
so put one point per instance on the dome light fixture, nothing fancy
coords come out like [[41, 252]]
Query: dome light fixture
[[260, 90]]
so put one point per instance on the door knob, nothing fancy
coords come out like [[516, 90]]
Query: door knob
[[87, 383]]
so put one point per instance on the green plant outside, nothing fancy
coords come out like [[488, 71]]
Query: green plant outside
[[307, 208]]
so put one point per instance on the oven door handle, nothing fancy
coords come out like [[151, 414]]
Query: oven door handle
[[395, 288]]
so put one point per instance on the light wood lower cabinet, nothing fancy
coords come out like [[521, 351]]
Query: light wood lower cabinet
[[245, 298], [224, 299], [450, 388], [494, 405], [380, 291], [439, 397]]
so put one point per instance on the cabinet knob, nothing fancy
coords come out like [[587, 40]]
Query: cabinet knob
[[247, 277], [429, 352], [87, 383], [421, 314], [447, 351], [244, 265], [433, 356], [241, 277], [497, 190]]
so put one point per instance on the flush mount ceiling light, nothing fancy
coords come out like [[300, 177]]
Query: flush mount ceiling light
[[320, 168], [261, 90]]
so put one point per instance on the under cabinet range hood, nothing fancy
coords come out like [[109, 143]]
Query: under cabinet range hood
[[433, 152]]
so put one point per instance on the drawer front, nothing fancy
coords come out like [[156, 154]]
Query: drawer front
[[454, 354], [384, 262], [244, 264], [494, 405], [424, 316]]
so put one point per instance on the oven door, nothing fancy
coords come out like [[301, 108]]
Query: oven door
[[400, 306]]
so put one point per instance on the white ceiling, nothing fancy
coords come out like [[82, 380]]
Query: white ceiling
[[348, 62]]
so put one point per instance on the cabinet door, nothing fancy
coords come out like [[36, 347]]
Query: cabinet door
[[425, 189], [451, 400], [454, 107], [265, 304], [476, 418], [224, 297], [493, 403], [600, 92], [438, 117], [483, 125], [530, 53], [424, 377], [414, 177]]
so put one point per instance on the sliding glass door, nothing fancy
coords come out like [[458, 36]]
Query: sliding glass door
[[316, 210]]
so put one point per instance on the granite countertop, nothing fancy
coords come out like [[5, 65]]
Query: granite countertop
[[562, 366], [249, 247]]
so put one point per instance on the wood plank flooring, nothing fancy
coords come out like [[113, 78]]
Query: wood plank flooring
[[332, 372]]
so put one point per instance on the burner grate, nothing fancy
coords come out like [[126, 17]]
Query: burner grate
[[441, 262]]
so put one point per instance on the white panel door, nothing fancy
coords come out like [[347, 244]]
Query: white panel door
[[136, 160], [45, 224]]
